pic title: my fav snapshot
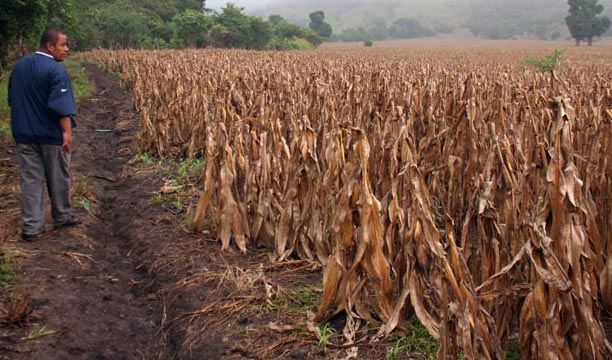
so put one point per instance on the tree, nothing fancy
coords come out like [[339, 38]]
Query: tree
[[318, 24], [287, 30], [236, 25], [123, 26], [584, 21], [379, 31], [261, 33], [165, 9], [405, 28], [286, 36], [275, 19], [146, 24], [190, 28], [22, 22]]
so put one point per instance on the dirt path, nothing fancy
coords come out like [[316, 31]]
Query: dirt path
[[132, 283], [89, 300], [128, 283]]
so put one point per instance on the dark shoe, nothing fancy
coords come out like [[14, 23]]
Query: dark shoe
[[30, 237], [72, 221]]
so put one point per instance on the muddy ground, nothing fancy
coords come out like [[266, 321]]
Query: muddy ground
[[132, 281]]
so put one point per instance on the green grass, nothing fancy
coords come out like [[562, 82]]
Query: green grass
[[5, 125], [145, 159], [81, 86], [83, 202], [85, 188], [417, 340], [325, 332], [183, 174], [296, 301], [303, 298], [83, 193], [5, 128], [8, 272], [189, 168], [395, 350], [513, 352]]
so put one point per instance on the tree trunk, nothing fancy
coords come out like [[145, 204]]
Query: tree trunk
[[590, 41], [577, 42]]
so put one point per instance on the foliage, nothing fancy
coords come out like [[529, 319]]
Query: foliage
[[82, 87], [15, 37], [368, 43], [139, 24], [5, 111], [85, 203], [548, 63], [8, 272], [325, 332], [584, 20], [378, 31], [394, 351], [405, 28], [5, 129], [499, 19], [288, 36], [318, 24], [237, 26], [261, 33], [190, 28], [513, 352], [123, 26], [145, 159], [234, 29], [294, 43], [189, 168], [294, 300], [83, 193], [543, 19], [416, 340]]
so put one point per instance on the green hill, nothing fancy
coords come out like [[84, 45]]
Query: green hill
[[511, 17], [343, 14]]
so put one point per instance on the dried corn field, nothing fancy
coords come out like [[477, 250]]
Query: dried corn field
[[451, 184]]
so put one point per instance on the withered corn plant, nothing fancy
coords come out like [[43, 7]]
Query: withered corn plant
[[450, 184]]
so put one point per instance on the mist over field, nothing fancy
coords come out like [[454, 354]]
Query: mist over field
[[543, 19]]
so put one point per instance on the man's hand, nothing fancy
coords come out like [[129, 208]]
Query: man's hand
[[66, 123], [67, 142]]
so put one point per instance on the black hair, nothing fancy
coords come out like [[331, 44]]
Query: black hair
[[50, 36]]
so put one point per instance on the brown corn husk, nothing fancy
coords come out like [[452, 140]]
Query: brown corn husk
[[473, 194]]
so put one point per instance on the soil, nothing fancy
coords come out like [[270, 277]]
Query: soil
[[132, 282]]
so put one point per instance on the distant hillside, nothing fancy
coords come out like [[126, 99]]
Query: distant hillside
[[343, 14], [520, 15]]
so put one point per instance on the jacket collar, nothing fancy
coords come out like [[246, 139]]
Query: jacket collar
[[44, 54]]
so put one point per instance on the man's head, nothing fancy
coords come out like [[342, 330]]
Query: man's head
[[54, 42]]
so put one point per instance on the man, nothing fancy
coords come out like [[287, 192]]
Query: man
[[42, 106]]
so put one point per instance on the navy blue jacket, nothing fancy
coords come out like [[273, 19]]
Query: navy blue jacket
[[39, 94]]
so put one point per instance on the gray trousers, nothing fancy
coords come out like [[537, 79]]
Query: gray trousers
[[38, 162]]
